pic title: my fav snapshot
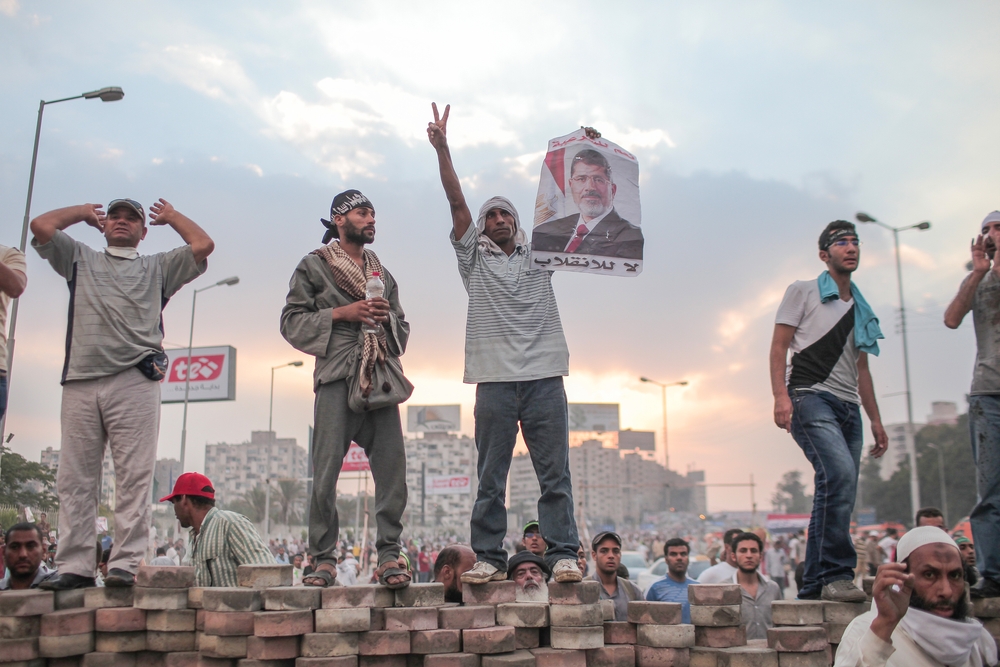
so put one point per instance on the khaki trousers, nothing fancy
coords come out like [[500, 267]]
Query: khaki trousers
[[123, 411]]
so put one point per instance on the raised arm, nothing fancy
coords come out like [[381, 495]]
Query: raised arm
[[45, 226], [437, 133], [962, 302], [162, 212], [12, 281], [780, 341], [866, 389]]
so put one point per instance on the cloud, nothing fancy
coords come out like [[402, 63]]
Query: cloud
[[9, 7], [256, 169], [207, 69]]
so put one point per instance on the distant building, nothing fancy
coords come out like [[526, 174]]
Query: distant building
[[238, 468], [441, 479], [50, 458], [897, 452], [943, 412]]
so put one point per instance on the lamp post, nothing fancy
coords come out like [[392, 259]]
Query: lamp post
[[270, 436], [187, 370], [944, 491], [911, 449], [663, 387], [110, 94]]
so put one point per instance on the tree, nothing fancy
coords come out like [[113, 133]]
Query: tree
[[790, 494], [290, 495], [252, 503], [25, 483]]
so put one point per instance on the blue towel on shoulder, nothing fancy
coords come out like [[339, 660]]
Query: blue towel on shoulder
[[866, 328]]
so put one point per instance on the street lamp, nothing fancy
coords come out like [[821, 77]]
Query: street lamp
[[663, 387], [944, 491], [911, 449], [187, 370], [110, 94], [270, 411]]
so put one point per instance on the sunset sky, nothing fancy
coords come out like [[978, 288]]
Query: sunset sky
[[754, 124]]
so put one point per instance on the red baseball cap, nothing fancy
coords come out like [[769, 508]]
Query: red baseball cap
[[192, 484]]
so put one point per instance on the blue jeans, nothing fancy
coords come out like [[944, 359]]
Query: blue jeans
[[984, 423], [540, 408], [829, 432]]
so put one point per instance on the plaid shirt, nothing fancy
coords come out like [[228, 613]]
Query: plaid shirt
[[226, 540]]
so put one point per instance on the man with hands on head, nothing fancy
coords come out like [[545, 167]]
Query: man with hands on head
[[830, 330], [114, 361], [920, 616], [980, 293]]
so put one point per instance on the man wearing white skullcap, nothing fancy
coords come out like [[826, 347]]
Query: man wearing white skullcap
[[980, 293], [921, 613]]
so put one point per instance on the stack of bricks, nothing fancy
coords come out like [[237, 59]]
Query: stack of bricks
[[21, 614], [720, 638], [987, 610], [810, 615], [661, 640]]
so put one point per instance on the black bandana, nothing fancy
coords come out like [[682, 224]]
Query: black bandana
[[831, 237], [342, 204]]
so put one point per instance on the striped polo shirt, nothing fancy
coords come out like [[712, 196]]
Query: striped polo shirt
[[513, 332], [226, 541]]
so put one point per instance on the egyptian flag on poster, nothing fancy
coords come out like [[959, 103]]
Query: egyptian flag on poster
[[587, 212]]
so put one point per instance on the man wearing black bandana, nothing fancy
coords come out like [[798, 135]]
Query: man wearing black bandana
[[830, 330], [323, 315]]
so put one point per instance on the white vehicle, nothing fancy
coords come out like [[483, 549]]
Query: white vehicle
[[636, 564]]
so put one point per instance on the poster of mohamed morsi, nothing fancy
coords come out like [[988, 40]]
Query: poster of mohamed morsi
[[587, 212]]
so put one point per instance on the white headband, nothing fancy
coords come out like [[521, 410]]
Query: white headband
[[992, 217], [919, 537]]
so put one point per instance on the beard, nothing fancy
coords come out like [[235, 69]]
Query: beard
[[747, 570], [357, 237], [591, 210], [453, 593], [533, 593], [959, 611]]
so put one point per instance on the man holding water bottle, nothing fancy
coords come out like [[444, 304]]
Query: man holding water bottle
[[325, 313]]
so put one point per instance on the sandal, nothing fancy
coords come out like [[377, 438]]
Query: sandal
[[392, 569], [326, 576]]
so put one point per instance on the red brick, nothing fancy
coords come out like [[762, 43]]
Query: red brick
[[843, 612], [67, 622], [420, 595], [177, 620], [747, 656], [797, 612], [153, 576], [291, 598], [206, 661], [515, 659], [526, 638], [797, 639], [153, 659], [378, 618], [13, 650], [344, 597], [619, 632], [195, 595], [19, 627], [329, 644], [523, 614], [251, 662], [69, 661], [65, 645], [98, 659], [584, 592], [168, 642], [272, 648], [647, 656], [103, 597], [199, 620], [423, 642], [263, 576], [411, 618], [282, 623], [215, 646], [608, 608], [553, 657], [26, 603], [810, 659], [340, 661], [703, 656], [715, 594], [578, 615], [577, 637], [452, 660], [733, 635], [384, 642], [611, 656], [715, 615], [231, 599], [471, 616], [181, 659], [119, 619], [344, 620], [498, 639], [492, 593], [120, 642], [835, 631], [71, 599], [656, 613], [383, 661], [665, 636], [229, 623]]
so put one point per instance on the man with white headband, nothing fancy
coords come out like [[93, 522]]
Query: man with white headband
[[516, 354], [921, 614], [980, 293]]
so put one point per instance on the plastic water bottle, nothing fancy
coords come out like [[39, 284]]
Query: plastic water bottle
[[374, 289]]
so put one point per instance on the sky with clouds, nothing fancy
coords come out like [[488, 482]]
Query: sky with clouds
[[754, 124]]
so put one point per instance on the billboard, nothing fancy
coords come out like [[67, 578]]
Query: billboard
[[444, 485], [598, 417], [786, 523], [355, 460], [213, 375], [644, 440], [433, 418]]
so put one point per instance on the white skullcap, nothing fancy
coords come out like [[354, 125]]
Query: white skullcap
[[919, 537], [992, 217]]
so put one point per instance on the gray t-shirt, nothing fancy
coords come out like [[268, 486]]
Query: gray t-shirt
[[986, 319], [115, 304], [513, 332]]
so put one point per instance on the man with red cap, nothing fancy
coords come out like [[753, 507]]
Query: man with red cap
[[221, 540]]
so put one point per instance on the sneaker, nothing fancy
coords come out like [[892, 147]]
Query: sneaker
[[567, 571], [843, 591], [986, 588], [482, 573]]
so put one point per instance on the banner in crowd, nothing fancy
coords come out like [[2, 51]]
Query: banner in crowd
[[587, 213], [444, 485], [213, 375], [355, 460], [786, 523], [433, 418]]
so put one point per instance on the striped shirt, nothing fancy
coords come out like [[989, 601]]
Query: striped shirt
[[226, 541], [115, 303], [513, 332]]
